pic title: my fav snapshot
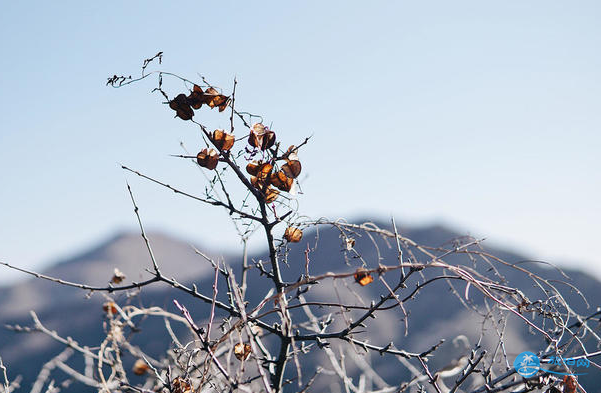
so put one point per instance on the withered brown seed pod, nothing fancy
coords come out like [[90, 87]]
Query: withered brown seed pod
[[208, 158], [293, 235], [222, 140]]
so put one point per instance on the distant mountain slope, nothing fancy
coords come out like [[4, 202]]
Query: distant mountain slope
[[71, 314]]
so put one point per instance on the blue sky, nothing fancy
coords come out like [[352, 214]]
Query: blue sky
[[481, 115]]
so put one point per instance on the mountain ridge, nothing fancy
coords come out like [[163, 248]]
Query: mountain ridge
[[66, 310]]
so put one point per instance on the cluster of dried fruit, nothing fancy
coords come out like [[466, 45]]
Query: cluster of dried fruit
[[184, 105], [264, 175]]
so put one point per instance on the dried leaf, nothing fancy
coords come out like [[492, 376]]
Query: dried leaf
[[293, 235], [208, 158], [362, 277], [118, 276], [140, 367], [261, 137], [241, 351], [222, 140], [181, 107]]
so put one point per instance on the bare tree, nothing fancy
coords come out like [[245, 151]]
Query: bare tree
[[271, 345]]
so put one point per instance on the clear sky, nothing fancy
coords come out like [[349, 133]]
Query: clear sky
[[484, 115]]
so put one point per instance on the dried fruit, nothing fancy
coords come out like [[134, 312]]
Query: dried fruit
[[241, 351], [222, 140], [196, 97], [110, 308], [259, 169], [570, 384], [181, 107], [362, 277], [208, 158], [261, 137], [212, 98], [180, 385], [140, 367], [118, 276], [293, 235], [281, 181], [271, 194], [292, 168]]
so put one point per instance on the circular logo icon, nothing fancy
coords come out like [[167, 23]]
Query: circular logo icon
[[526, 364]]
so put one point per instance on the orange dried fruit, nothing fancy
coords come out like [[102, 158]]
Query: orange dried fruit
[[271, 194], [196, 97], [110, 308], [292, 168], [259, 169], [222, 140], [213, 99], [241, 351], [208, 158], [293, 235], [261, 137], [570, 384], [281, 181], [118, 276], [181, 107], [180, 385], [362, 277], [140, 367]]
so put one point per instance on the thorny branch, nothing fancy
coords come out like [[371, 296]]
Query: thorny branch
[[282, 308]]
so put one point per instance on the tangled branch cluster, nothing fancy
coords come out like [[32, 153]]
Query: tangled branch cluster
[[294, 339]]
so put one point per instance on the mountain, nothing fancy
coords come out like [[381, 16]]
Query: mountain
[[78, 314]]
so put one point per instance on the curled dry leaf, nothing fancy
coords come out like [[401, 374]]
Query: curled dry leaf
[[181, 107], [362, 277], [110, 308], [241, 351], [222, 140], [196, 97], [118, 276], [213, 99], [140, 367], [208, 158], [180, 385], [293, 235], [261, 137], [292, 168], [281, 181]]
